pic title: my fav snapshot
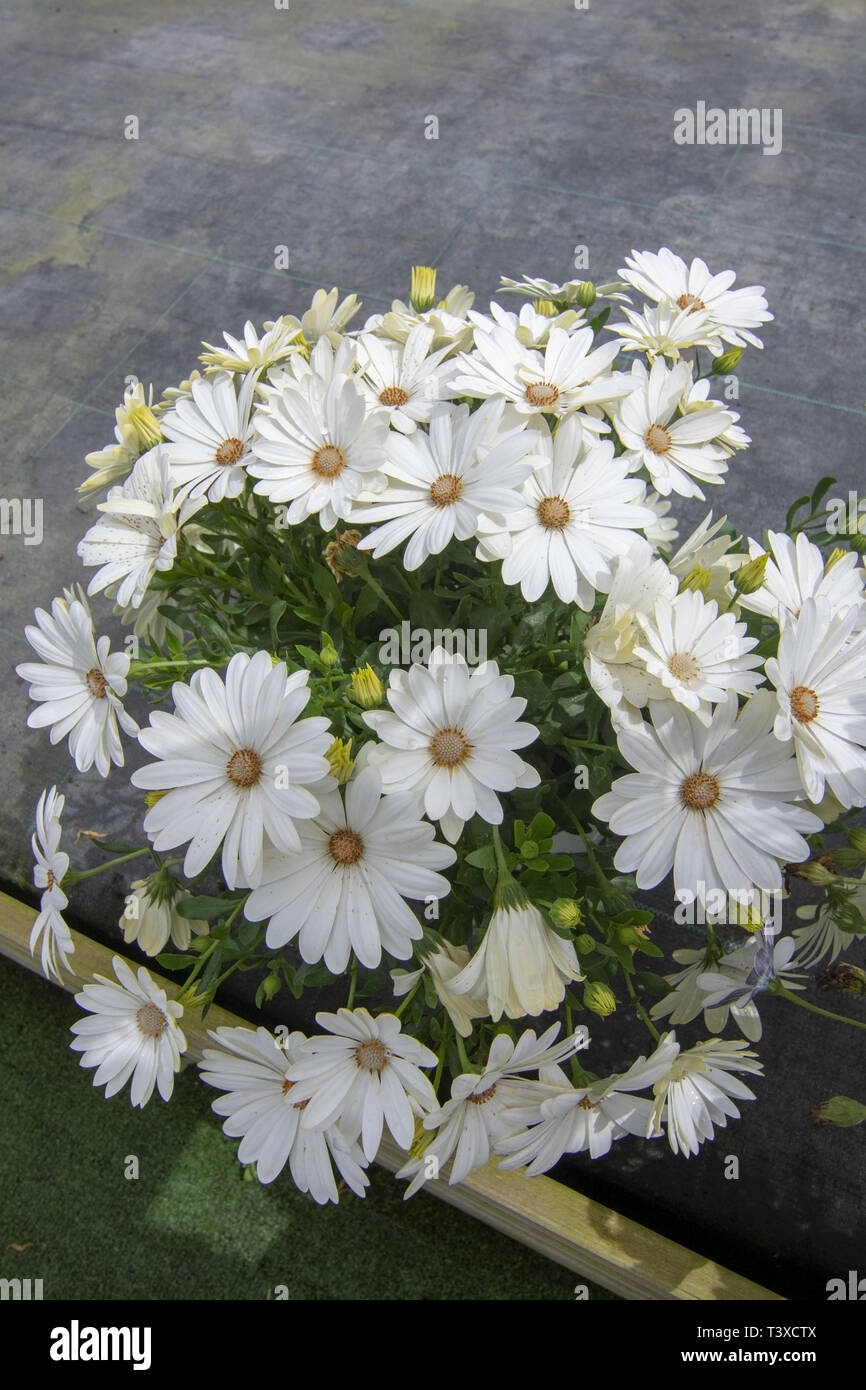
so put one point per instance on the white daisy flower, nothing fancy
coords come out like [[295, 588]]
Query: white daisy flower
[[820, 676], [443, 964], [136, 431], [639, 580], [704, 555], [80, 683], [797, 571], [448, 319], [823, 936], [566, 293], [699, 1091], [450, 738], [210, 438], [579, 512], [583, 1119], [48, 872], [328, 316], [476, 1117], [253, 352], [529, 327], [673, 451], [732, 314], [138, 534], [740, 975], [363, 1075], [132, 1031], [662, 329], [235, 766], [344, 891], [522, 965], [713, 803], [696, 397], [697, 654], [439, 485], [251, 1068], [570, 374], [404, 380], [664, 531], [150, 916], [317, 449]]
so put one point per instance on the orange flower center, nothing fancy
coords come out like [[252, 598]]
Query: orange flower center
[[446, 489], [449, 747], [229, 451], [328, 461], [371, 1056], [244, 768], [96, 683], [542, 393], [805, 705], [345, 847], [690, 302], [151, 1021], [554, 513], [700, 791], [393, 395], [658, 439]]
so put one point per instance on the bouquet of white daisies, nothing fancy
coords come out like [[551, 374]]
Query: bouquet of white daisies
[[437, 696]]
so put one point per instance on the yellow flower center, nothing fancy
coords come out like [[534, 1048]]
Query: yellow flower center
[[244, 768], [554, 513], [328, 461], [229, 451], [684, 666], [393, 395], [700, 791], [449, 747], [345, 847], [805, 705], [446, 489], [658, 439]]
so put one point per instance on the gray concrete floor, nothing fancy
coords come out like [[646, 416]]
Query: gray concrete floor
[[305, 126]]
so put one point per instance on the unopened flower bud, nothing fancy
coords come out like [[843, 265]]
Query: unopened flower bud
[[545, 307], [844, 976], [367, 688], [584, 944], [599, 999], [839, 1110], [564, 912], [422, 290], [813, 872], [586, 294], [340, 761], [749, 578], [697, 580], [857, 837], [727, 362]]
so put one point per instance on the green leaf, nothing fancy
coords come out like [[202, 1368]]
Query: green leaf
[[170, 960], [205, 909], [483, 858]]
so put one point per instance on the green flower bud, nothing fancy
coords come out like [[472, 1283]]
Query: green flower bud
[[599, 999], [565, 912], [367, 688], [697, 580], [728, 362], [839, 1110], [749, 578], [585, 944], [814, 872], [586, 295], [545, 307], [857, 837], [422, 290]]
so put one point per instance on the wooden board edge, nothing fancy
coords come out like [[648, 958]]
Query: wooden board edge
[[626, 1258]]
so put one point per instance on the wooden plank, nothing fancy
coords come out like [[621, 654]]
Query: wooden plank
[[598, 1244]]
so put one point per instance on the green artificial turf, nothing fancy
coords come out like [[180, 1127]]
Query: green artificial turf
[[190, 1226]]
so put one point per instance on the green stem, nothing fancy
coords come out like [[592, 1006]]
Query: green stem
[[778, 988], [461, 1053], [75, 876], [639, 1008], [440, 1065], [408, 1000], [353, 982]]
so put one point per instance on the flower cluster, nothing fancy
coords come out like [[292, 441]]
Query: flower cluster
[[434, 681]]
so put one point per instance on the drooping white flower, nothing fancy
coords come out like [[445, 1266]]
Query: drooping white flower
[[137, 430], [742, 974], [522, 965], [820, 677], [255, 352], [443, 964], [210, 437], [448, 319], [570, 374], [823, 934], [616, 674], [563, 1118], [236, 764], [317, 448], [797, 571], [674, 451], [440, 484], [79, 683], [714, 803], [251, 1067], [706, 554], [405, 381], [450, 737], [476, 1118], [344, 891], [361, 1075], [566, 293], [48, 872], [697, 654], [137, 535], [698, 1093], [664, 277], [150, 917], [132, 1031], [579, 512]]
